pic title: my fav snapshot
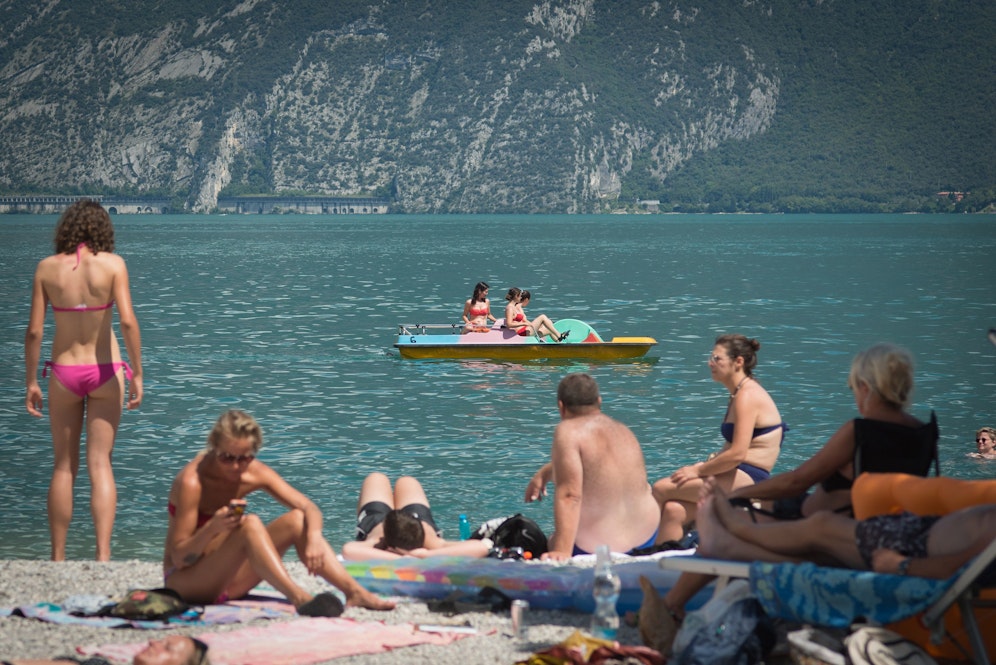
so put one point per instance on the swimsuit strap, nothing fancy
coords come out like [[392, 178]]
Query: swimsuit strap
[[83, 308], [78, 247]]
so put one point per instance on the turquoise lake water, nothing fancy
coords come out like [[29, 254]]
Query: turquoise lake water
[[293, 319]]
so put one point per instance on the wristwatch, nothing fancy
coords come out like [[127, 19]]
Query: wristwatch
[[904, 566]]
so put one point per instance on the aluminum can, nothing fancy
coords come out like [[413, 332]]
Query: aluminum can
[[519, 608]]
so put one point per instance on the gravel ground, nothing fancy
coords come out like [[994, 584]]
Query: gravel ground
[[27, 582]]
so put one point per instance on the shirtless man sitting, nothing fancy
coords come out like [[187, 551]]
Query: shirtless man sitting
[[601, 493]]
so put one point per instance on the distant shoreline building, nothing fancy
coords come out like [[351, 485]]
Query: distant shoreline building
[[248, 205]]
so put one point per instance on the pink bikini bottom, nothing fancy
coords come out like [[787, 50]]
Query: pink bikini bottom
[[84, 379]]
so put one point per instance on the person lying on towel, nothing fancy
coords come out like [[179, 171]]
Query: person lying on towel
[[396, 523], [172, 650]]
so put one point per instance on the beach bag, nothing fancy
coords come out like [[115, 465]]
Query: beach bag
[[515, 531], [148, 605], [873, 645], [730, 629]]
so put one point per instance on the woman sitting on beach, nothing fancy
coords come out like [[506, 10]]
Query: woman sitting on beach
[[881, 379], [477, 310], [753, 430], [216, 551], [172, 650], [392, 524], [515, 317]]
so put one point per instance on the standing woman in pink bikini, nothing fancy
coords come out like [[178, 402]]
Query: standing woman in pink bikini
[[83, 281]]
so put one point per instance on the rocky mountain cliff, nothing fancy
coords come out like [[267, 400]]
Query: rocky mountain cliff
[[462, 106]]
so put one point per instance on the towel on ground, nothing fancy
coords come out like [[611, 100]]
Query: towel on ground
[[234, 611], [299, 642]]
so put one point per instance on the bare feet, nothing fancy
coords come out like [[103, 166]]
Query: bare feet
[[714, 539], [367, 600], [721, 506]]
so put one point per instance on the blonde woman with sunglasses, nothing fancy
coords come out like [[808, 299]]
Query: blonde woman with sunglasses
[[217, 550]]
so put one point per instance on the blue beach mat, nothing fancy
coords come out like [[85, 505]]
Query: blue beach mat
[[545, 585]]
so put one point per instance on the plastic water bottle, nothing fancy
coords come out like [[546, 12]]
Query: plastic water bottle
[[605, 591], [464, 527]]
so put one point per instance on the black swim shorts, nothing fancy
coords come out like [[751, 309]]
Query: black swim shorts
[[904, 532], [373, 513]]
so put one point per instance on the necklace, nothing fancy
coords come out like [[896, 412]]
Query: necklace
[[737, 389]]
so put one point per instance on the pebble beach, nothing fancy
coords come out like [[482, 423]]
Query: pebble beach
[[24, 582]]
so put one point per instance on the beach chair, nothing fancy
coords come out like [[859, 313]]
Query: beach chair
[[937, 614], [883, 447]]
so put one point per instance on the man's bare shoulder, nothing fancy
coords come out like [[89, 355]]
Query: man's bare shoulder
[[590, 426]]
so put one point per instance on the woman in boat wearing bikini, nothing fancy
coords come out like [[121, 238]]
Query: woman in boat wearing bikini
[[477, 310], [753, 430], [515, 317], [83, 281]]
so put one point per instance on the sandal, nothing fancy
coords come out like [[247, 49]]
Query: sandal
[[325, 604], [563, 336]]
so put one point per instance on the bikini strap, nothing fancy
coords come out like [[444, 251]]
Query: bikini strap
[[82, 244]]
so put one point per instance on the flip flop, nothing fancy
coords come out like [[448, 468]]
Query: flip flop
[[325, 604]]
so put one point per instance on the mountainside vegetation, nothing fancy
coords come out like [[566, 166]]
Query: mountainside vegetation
[[511, 106]]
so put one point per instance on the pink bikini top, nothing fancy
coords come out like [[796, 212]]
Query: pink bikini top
[[81, 307]]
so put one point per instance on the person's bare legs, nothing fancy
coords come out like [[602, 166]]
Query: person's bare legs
[[103, 415], [289, 530], [249, 550], [408, 490], [335, 574], [65, 414], [376, 487], [678, 506], [821, 535]]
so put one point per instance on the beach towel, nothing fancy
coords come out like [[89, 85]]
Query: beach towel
[[835, 597], [299, 642], [234, 611]]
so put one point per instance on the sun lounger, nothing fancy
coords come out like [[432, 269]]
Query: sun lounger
[[836, 596]]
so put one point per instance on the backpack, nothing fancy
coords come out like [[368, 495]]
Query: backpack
[[515, 531], [152, 604], [730, 629]]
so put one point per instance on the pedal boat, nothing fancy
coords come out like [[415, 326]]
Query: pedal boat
[[417, 341]]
